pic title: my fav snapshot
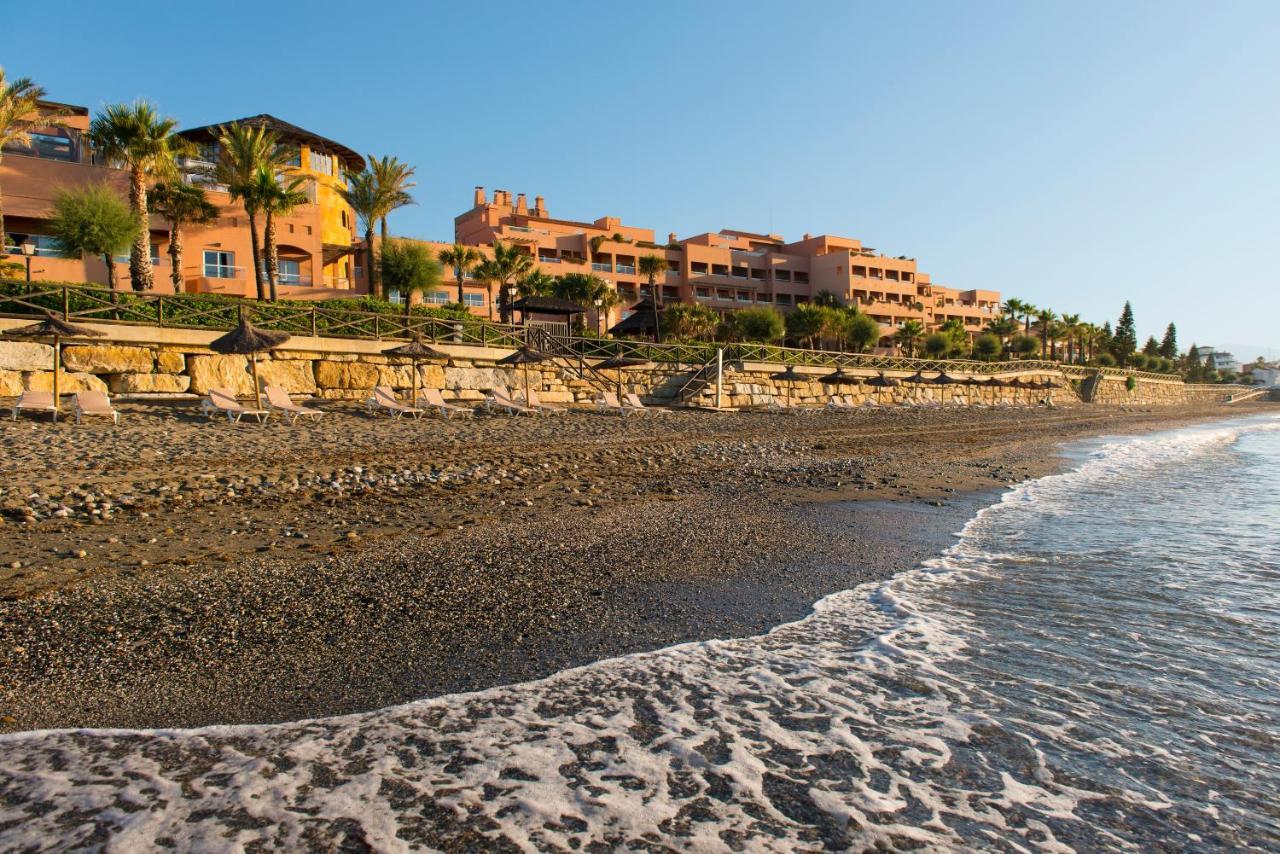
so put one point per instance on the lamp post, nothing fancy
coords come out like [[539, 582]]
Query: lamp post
[[28, 250], [599, 317], [512, 290]]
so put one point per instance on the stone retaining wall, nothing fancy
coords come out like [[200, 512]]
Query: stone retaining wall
[[142, 361]]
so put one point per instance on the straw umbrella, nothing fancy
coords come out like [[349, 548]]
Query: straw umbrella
[[618, 362], [415, 350], [993, 383], [524, 357], [944, 380], [55, 329], [916, 379], [247, 340], [788, 376], [880, 381]]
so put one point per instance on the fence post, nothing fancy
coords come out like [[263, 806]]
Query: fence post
[[719, 375], [377, 326], [66, 302], [313, 321], [160, 310]]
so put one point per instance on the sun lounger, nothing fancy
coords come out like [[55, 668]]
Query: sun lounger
[[385, 399], [548, 408], [35, 401], [221, 400], [93, 403], [436, 401], [608, 402], [632, 401], [840, 401], [498, 398], [278, 399]]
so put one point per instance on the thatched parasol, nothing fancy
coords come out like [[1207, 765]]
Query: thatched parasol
[[618, 362], [247, 340], [789, 375], [917, 378], [995, 382], [524, 357], [881, 381], [415, 350], [54, 328], [838, 377]]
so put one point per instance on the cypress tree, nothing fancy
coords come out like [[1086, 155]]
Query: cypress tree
[[1125, 341], [1152, 347], [1193, 362], [1169, 346]]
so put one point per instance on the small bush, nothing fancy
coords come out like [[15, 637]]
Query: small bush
[[1106, 360], [1131, 382]]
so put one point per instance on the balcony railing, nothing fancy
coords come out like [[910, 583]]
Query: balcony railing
[[602, 268], [223, 271], [625, 268], [340, 282], [545, 259]]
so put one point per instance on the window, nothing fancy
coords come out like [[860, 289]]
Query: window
[[783, 299], [124, 259], [294, 158], [321, 163], [46, 247], [473, 300], [739, 272], [744, 296], [719, 269], [290, 272], [802, 277], [54, 146], [756, 274], [219, 265], [782, 275], [698, 268], [437, 297]]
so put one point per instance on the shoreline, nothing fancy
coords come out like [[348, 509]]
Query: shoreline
[[519, 592]]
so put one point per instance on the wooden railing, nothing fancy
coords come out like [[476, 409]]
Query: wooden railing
[[197, 311]]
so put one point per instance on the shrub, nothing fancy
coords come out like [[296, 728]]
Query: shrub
[[1131, 382], [862, 332], [986, 347], [689, 322], [762, 324], [936, 344], [1139, 362], [1026, 345], [1106, 360]]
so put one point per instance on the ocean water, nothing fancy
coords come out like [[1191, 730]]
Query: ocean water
[[1094, 665]]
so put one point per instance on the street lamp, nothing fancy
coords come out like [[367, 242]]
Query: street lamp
[[599, 317], [28, 250], [512, 290]]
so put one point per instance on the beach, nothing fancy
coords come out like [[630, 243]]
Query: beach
[[171, 572]]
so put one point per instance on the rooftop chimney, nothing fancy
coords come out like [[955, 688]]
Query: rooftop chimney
[[478, 199], [808, 236], [671, 237], [522, 206], [539, 206]]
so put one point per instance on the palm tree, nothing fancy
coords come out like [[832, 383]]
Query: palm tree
[[19, 102], [909, 335], [1071, 328], [142, 141], [536, 283], [509, 263], [1004, 328], [242, 151], [276, 199], [1044, 320], [462, 259], [391, 178], [370, 205], [182, 204], [651, 267]]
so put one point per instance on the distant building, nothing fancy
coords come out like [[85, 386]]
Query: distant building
[[1268, 373], [1222, 360]]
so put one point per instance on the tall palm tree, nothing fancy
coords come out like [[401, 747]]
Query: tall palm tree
[[242, 151], [276, 196], [1044, 320], [909, 335], [142, 141], [1004, 328], [536, 283], [1071, 328], [391, 178], [182, 204], [463, 259], [370, 205], [651, 267], [19, 103], [510, 262]]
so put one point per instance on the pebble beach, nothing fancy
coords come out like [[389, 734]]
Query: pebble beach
[[174, 572]]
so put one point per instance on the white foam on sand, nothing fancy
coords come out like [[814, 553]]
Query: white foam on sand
[[847, 728]]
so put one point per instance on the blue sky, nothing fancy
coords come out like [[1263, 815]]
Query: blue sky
[[1072, 154]]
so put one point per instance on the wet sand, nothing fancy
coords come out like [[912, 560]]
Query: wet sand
[[173, 572]]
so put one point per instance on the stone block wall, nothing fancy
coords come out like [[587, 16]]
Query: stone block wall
[[178, 362]]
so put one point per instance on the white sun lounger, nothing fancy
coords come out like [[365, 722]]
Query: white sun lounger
[[221, 400], [35, 401], [436, 401], [385, 399], [278, 399], [93, 403]]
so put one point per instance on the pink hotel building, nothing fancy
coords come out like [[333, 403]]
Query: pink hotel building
[[723, 270]]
